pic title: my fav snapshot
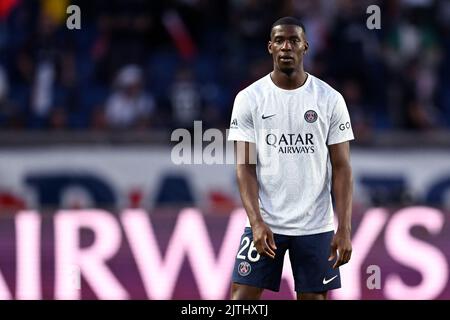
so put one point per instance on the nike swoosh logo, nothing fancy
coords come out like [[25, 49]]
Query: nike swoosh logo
[[325, 281], [265, 117]]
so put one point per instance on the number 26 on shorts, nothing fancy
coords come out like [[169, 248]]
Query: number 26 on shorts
[[245, 243]]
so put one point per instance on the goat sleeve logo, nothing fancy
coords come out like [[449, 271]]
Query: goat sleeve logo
[[244, 268], [234, 123], [310, 116]]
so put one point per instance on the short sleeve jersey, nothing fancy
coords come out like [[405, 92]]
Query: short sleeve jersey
[[292, 130]]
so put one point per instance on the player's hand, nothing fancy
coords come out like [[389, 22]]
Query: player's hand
[[341, 244], [263, 240]]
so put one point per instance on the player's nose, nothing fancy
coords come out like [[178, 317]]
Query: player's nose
[[286, 46]]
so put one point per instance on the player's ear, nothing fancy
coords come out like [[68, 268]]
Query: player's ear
[[306, 47], [269, 47]]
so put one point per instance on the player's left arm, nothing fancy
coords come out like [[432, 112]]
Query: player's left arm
[[342, 187]]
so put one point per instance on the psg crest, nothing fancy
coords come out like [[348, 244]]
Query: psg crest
[[244, 268], [310, 116]]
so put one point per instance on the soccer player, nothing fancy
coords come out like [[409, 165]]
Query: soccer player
[[297, 130]]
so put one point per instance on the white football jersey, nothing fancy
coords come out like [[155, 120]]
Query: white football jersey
[[291, 130]]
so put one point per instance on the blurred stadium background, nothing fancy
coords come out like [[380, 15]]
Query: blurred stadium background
[[87, 185]]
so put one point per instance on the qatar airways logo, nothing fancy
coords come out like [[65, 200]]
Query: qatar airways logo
[[128, 260], [291, 142]]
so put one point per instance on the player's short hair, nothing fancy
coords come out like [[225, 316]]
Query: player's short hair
[[288, 21]]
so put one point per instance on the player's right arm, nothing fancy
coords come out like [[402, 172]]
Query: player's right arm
[[248, 188]]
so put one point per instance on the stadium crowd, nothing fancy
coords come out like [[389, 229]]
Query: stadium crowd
[[138, 65]]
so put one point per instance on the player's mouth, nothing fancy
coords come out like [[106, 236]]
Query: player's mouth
[[286, 59]]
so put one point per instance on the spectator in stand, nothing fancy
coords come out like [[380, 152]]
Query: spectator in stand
[[126, 32], [362, 127], [129, 106], [46, 65], [185, 99]]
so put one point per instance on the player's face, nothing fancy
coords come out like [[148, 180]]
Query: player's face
[[287, 46]]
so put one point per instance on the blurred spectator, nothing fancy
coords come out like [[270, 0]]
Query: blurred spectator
[[316, 17], [46, 64], [251, 23], [126, 32], [412, 55], [417, 112], [185, 99], [351, 90], [129, 106]]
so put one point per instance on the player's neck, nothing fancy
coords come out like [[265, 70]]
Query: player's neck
[[289, 81]]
